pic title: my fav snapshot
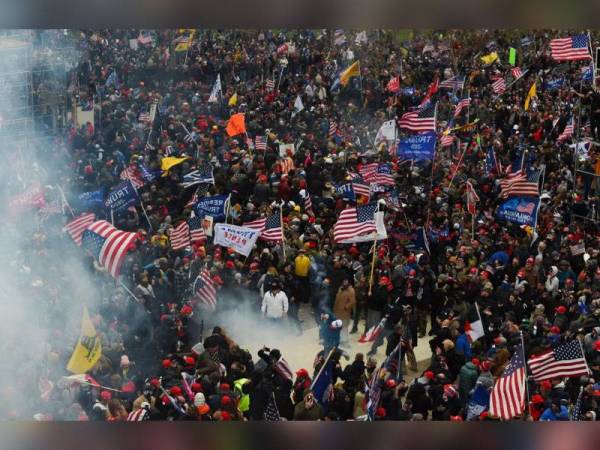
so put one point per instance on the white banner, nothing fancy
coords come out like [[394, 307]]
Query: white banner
[[388, 132], [241, 239], [284, 148]]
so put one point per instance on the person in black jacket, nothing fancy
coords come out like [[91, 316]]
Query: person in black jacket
[[376, 302]]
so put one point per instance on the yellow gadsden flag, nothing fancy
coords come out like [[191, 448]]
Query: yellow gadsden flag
[[490, 58], [88, 349], [352, 71], [532, 93], [233, 100], [170, 161]]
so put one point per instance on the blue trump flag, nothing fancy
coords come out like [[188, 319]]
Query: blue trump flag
[[520, 210], [89, 200], [122, 196], [479, 402], [346, 191], [322, 386], [418, 147], [212, 206]]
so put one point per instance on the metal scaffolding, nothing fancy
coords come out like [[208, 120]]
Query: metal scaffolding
[[33, 85]]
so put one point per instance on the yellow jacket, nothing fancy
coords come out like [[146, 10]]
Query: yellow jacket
[[302, 265]]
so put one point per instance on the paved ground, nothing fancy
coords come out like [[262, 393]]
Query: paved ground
[[300, 350]]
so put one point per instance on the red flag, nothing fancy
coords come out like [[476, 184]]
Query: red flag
[[472, 198]]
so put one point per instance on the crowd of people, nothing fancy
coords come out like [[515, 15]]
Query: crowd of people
[[531, 285]]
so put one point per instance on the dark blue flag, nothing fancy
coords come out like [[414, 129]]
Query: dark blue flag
[[122, 196], [553, 85], [520, 210], [90, 200], [417, 147], [323, 385], [479, 402], [212, 206], [346, 191]]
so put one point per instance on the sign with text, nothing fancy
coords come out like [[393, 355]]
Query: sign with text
[[241, 239]]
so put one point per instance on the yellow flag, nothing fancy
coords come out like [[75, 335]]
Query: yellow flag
[[532, 93], [233, 99], [170, 161], [490, 58], [352, 71], [88, 349]]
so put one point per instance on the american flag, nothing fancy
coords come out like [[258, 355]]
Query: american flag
[[576, 412], [456, 82], [472, 198], [361, 188], [283, 368], [420, 120], [447, 139], [508, 395], [132, 174], [355, 221], [499, 86], [517, 73], [390, 364], [367, 171], [571, 48], [270, 84], [196, 231], [190, 137], [260, 143], [108, 245], [393, 85], [520, 184], [269, 227], [308, 204], [567, 132], [382, 176], [139, 415], [144, 117], [332, 128], [77, 226], [373, 332], [271, 411], [180, 236], [201, 191], [287, 164], [144, 38], [205, 291], [464, 102], [566, 360], [340, 37]]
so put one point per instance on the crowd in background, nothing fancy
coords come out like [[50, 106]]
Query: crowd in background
[[528, 284]]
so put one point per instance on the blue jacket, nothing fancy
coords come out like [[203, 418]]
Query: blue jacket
[[549, 415]]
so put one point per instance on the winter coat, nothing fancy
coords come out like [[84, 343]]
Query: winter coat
[[345, 300], [467, 378]]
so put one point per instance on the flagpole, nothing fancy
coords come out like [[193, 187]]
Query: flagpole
[[322, 367], [458, 164], [515, 80], [129, 291], [64, 199], [141, 203], [372, 266], [525, 372], [583, 353], [282, 233]]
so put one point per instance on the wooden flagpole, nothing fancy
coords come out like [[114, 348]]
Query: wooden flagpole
[[372, 266]]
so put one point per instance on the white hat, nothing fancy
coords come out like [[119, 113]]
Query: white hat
[[336, 324], [199, 399]]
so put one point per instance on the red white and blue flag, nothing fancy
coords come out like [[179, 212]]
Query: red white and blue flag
[[108, 245], [571, 48], [205, 291], [508, 395]]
